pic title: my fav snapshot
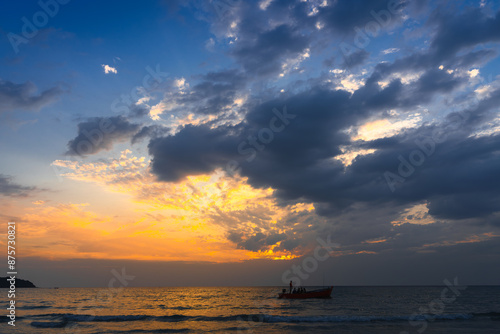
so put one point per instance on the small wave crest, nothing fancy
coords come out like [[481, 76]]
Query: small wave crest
[[103, 318], [267, 318], [340, 318]]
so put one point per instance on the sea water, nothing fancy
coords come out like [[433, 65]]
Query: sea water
[[255, 310]]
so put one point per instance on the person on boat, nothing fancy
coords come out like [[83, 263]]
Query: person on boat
[[291, 286]]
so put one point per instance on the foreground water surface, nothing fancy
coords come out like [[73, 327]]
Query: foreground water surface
[[255, 310]]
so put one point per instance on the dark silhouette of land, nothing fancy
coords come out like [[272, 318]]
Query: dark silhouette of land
[[20, 283]]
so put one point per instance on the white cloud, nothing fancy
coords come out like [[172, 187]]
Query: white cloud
[[484, 91], [417, 214], [181, 84], [473, 73], [109, 69], [391, 50], [160, 108], [348, 155], [294, 63], [210, 44], [384, 128], [337, 71], [350, 83], [406, 78], [264, 4]]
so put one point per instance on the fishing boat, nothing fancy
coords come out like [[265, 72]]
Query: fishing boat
[[320, 293]]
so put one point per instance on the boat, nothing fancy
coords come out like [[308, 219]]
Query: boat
[[320, 293]]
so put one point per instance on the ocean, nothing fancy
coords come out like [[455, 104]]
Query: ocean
[[400, 310]]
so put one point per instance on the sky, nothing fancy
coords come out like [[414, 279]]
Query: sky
[[231, 142]]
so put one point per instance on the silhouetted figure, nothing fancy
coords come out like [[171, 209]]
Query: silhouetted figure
[[291, 286]]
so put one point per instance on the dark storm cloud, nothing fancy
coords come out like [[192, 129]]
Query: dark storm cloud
[[266, 54], [397, 95], [200, 149], [340, 17], [465, 30], [265, 40], [9, 188], [139, 110], [355, 59], [470, 205], [457, 169], [262, 49], [435, 80], [24, 96], [100, 133], [255, 242], [214, 93], [149, 131], [193, 150], [298, 161], [480, 113], [452, 44], [346, 16]]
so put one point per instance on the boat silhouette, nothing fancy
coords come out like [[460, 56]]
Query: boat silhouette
[[319, 293]]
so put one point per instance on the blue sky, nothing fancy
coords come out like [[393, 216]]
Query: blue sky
[[390, 145]]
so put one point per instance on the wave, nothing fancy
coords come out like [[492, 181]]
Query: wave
[[48, 324], [35, 307], [103, 318], [178, 308], [163, 330], [492, 315], [59, 319], [340, 318]]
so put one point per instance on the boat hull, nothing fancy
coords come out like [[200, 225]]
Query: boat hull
[[324, 293]]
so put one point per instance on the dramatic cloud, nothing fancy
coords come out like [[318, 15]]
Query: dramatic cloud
[[227, 206], [348, 16], [302, 161], [465, 30], [452, 45], [24, 96], [266, 54], [390, 146], [9, 188], [100, 133], [150, 131], [216, 93], [192, 151], [355, 59]]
